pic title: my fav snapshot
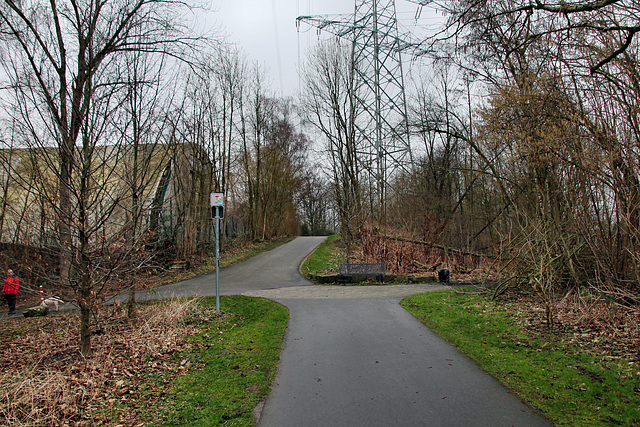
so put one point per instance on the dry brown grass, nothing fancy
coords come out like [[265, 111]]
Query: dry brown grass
[[406, 255], [587, 319], [602, 322], [45, 381]]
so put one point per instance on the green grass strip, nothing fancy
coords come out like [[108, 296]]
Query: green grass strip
[[325, 259], [232, 364], [569, 385]]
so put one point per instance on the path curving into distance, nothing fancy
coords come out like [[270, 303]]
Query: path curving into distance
[[352, 356], [274, 269]]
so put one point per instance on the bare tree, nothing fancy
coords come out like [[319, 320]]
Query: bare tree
[[610, 25], [231, 67], [141, 123], [330, 107], [315, 203], [559, 133], [270, 160], [195, 144], [63, 62]]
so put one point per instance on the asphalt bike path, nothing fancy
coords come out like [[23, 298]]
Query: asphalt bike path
[[274, 269], [352, 356]]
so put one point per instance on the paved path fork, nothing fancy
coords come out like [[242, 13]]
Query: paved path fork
[[277, 268], [353, 356]]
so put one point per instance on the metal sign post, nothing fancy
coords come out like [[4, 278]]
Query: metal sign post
[[217, 212]]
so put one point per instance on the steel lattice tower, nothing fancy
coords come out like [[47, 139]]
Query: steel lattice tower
[[379, 85]]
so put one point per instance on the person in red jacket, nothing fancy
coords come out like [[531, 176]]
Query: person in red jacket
[[10, 290]]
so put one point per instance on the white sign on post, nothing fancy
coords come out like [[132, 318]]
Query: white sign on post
[[217, 205], [217, 199]]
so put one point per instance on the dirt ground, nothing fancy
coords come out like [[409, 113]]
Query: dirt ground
[[46, 381]]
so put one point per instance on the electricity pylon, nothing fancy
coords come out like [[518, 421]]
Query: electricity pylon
[[379, 86]]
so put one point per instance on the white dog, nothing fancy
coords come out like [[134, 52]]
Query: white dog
[[52, 301]]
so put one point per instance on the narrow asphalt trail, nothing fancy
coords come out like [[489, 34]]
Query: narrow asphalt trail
[[354, 357], [274, 269], [277, 268]]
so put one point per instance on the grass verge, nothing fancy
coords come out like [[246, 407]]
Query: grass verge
[[176, 363], [325, 259], [229, 367], [569, 385]]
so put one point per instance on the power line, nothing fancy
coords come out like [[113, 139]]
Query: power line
[[379, 85], [275, 29]]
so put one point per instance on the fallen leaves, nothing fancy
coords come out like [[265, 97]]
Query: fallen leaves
[[598, 325], [46, 381]]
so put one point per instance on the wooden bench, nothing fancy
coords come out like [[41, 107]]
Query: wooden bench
[[179, 265], [349, 271]]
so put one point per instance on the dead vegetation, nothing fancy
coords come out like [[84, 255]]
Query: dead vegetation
[[606, 321], [406, 255], [45, 381], [591, 320], [601, 321]]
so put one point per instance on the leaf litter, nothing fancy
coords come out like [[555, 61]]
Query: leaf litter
[[45, 380]]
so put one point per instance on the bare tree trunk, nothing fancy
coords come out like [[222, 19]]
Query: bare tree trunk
[[64, 67]]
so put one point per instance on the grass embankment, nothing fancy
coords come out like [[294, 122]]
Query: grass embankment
[[325, 260], [156, 369], [232, 363], [570, 385], [234, 357], [177, 363]]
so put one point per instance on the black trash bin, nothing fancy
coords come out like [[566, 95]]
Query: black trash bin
[[443, 275]]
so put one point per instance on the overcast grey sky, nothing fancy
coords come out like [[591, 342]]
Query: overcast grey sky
[[266, 30]]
